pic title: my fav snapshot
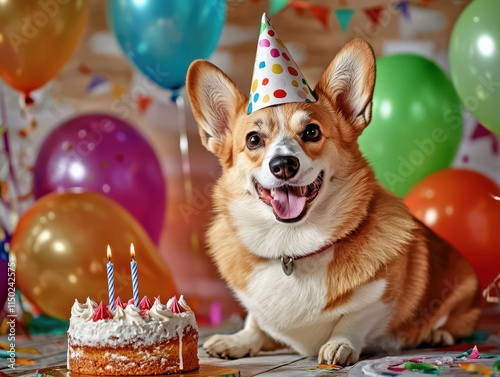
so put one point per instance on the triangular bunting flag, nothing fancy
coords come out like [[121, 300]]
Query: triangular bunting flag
[[117, 90], [321, 13], [276, 5], [403, 7], [374, 14], [95, 81], [344, 17], [84, 69], [481, 132], [144, 102], [299, 6]]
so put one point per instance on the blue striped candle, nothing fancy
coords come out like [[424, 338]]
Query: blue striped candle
[[135, 280], [111, 281]]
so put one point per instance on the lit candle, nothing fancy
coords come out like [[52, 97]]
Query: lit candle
[[111, 281], [135, 280]]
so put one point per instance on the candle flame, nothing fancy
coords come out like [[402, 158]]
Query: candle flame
[[132, 250], [109, 253]]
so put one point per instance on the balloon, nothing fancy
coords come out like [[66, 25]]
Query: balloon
[[102, 153], [163, 37], [4, 274], [37, 38], [60, 249], [474, 54], [460, 206], [410, 136]]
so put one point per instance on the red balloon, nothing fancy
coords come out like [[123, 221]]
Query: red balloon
[[463, 208]]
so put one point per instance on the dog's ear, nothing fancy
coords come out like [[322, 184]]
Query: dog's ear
[[348, 83], [215, 101]]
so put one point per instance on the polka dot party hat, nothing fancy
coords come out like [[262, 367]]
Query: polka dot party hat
[[276, 77]]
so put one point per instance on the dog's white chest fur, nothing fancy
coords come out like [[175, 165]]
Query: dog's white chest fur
[[291, 308]]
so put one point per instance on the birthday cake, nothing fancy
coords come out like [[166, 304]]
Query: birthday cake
[[149, 339]]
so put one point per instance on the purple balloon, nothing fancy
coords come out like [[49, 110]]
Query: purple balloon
[[104, 154]]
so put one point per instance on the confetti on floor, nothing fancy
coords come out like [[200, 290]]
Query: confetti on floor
[[327, 367]]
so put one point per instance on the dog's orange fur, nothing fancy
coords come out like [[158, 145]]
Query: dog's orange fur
[[374, 235]]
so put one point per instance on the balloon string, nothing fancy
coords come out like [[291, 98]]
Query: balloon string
[[25, 102], [184, 147], [4, 219], [186, 165], [6, 145]]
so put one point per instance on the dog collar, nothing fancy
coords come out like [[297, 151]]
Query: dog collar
[[287, 262]]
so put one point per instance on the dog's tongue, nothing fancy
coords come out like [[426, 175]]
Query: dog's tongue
[[288, 203]]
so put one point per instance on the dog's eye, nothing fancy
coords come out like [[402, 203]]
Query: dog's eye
[[311, 133], [254, 140]]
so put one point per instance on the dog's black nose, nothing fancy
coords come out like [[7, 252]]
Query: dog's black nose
[[284, 167]]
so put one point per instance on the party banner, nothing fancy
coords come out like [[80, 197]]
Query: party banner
[[344, 17]]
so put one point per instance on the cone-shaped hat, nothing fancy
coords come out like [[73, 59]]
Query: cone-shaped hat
[[276, 77]]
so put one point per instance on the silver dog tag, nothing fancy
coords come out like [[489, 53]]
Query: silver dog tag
[[287, 264]]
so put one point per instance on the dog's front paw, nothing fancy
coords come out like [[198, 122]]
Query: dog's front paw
[[338, 351], [440, 337], [230, 346]]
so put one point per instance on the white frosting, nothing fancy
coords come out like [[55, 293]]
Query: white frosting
[[77, 309], [119, 314], [133, 315], [128, 326], [160, 312], [169, 302], [84, 311], [184, 304]]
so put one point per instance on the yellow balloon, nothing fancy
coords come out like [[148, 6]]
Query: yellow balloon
[[37, 38], [59, 247]]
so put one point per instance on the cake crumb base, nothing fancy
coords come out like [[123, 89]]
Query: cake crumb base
[[164, 358]]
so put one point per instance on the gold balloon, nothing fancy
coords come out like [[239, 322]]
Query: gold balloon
[[37, 38], [60, 247]]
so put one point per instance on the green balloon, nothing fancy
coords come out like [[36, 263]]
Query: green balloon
[[416, 124], [475, 61]]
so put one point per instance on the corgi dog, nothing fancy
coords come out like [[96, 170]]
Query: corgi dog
[[325, 260]]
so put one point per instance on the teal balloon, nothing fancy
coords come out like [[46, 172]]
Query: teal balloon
[[474, 55], [163, 37], [416, 124]]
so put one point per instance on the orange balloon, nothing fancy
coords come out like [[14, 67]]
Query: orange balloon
[[37, 38], [60, 247], [460, 206]]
